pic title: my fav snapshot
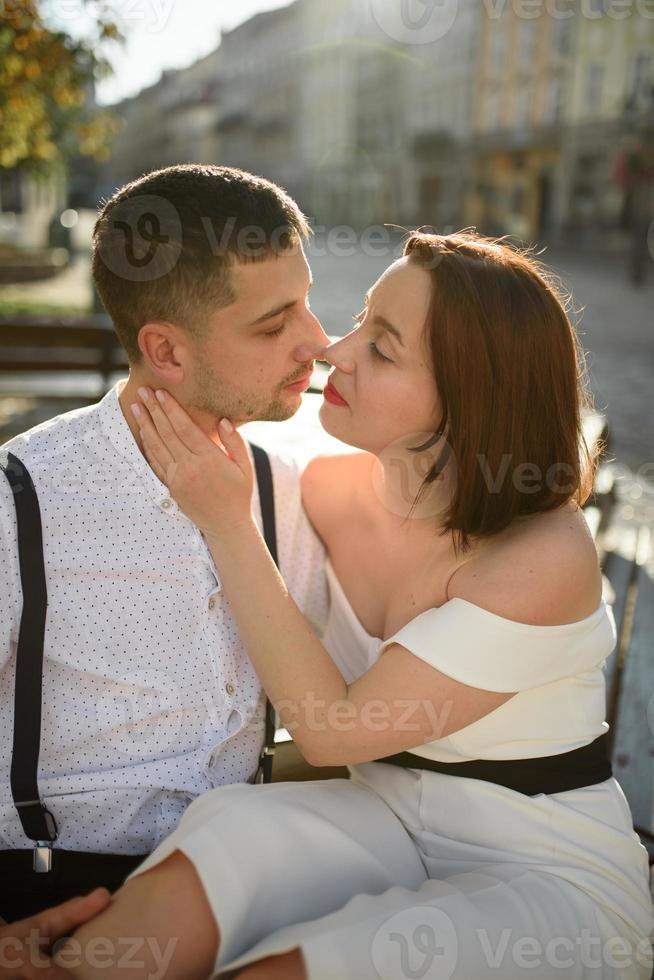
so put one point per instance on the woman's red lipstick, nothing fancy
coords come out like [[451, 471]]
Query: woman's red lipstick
[[332, 396]]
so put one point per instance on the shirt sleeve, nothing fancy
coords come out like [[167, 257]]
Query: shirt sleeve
[[476, 647], [10, 587]]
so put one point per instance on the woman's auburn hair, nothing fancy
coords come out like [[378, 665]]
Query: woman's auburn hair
[[511, 376]]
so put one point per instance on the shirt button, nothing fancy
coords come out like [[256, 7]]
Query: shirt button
[[166, 504], [212, 603], [230, 689]]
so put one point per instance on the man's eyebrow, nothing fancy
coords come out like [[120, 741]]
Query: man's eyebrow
[[386, 324], [271, 313], [277, 310]]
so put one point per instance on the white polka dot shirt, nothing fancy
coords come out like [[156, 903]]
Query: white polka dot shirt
[[149, 696]]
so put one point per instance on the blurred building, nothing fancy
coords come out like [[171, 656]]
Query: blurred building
[[610, 116], [386, 122], [559, 100], [172, 121], [527, 125], [343, 180], [438, 160], [261, 85], [523, 83]]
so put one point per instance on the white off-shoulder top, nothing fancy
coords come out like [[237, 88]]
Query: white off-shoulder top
[[584, 835], [556, 670]]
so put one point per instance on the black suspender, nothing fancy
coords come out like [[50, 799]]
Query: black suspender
[[267, 498], [37, 821]]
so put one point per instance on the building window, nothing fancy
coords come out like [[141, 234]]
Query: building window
[[641, 89], [528, 33], [497, 48], [561, 36], [594, 82], [554, 101], [493, 111], [521, 108]]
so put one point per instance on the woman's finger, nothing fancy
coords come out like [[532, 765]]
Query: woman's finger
[[165, 474], [174, 422], [151, 408], [235, 445], [151, 439]]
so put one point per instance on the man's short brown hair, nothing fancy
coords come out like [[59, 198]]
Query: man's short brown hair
[[164, 244]]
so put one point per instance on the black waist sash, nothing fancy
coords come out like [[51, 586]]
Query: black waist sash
[[584, 766]]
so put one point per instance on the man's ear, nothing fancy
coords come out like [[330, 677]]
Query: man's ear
[[166, 351]]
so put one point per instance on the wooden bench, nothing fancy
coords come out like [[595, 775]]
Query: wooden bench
[[627, 556], [45, 344]]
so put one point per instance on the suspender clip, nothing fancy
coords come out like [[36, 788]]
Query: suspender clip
[[42, 862]]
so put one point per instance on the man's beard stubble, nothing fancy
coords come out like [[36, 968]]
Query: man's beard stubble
[[221, 400]]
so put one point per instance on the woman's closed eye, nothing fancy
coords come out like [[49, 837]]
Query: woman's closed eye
[[372, 346]]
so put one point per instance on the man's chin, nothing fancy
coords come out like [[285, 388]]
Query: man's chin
[[276, 411], [282, 414]]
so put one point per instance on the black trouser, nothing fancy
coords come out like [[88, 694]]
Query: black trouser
[[25, 892]]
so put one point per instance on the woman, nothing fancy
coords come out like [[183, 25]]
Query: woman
[[467, 623]]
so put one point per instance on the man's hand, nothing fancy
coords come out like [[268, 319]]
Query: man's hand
[[25, 946]]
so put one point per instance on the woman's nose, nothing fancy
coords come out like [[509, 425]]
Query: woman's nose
[[339, 355]]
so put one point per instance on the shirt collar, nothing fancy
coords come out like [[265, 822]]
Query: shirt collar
[[115, 427]]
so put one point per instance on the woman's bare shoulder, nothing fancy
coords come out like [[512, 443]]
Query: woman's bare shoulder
[[330, 484], [543, 571]]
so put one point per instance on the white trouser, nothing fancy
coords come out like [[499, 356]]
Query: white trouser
[[328, 867]]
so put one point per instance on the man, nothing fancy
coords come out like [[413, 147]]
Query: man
[[149, 697]]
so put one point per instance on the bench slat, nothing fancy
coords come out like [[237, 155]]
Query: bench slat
[[633, 755], [41, 336], [94, 364], [42, 345], [619, 568]]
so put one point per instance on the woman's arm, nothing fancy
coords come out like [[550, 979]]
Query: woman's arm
[[399, 704]]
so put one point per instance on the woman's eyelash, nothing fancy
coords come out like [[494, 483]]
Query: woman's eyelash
[[275, 333], [374, 349]]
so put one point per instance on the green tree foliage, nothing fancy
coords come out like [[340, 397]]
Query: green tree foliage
[[47, 109]]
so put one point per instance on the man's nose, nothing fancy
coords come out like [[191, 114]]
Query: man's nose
[[314, 346]]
